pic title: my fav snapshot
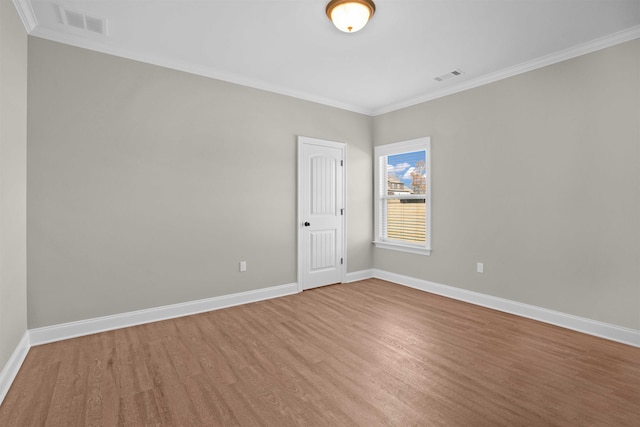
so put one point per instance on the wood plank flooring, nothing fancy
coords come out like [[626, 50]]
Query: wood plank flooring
[[362, 354]]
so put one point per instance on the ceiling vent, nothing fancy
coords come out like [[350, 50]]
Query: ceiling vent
[[81, 21], [449, 75]]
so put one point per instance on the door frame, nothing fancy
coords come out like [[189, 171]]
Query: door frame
[[304, 140]]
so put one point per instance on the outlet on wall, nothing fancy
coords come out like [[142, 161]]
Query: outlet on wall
[[480, 267], [243, 265]]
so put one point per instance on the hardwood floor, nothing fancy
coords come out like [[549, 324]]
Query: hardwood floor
[[367, 353]]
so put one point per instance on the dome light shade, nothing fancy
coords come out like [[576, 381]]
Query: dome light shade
[[350, 15]]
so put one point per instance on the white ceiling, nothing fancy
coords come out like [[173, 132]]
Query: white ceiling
[[290, 47]]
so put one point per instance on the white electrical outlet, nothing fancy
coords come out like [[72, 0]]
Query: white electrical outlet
[[243, 265], [480, 267]]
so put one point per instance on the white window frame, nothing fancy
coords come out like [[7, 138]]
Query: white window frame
[[381, 194]]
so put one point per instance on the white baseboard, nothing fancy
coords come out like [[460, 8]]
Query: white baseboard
[[359, 275], [576, 323], [101, 324], [11, 368], [90, 326]]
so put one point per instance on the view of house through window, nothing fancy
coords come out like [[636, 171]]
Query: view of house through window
[[406, 177], [402, 211]]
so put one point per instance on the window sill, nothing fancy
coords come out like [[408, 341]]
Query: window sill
[[403, 248]]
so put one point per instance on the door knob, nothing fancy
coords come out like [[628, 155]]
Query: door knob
[[306, 224]]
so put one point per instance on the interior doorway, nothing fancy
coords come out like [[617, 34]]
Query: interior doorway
[[321, 212]]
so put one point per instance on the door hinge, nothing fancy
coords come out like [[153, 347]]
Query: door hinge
[[341, 211], [341, 162], [341, 260]]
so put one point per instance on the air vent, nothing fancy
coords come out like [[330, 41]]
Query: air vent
[[449, 75], [81, 21], [96, 25]]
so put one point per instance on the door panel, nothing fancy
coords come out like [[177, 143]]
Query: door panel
[[323, 185], [322, 250], [320, 208]]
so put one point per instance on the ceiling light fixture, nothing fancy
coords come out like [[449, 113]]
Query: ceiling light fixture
[[350, 15]]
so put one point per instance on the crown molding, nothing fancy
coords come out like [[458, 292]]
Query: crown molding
[[27, 16], [563, 55], [98, 43]]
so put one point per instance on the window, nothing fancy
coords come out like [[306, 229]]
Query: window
[[403, 196]]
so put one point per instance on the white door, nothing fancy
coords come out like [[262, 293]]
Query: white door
[[321, 212]]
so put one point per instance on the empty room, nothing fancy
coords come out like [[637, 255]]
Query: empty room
[[320, 213]]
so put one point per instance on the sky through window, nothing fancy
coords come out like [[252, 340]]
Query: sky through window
[[404, 166]]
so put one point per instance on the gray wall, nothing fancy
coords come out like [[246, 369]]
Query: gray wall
[[147, 186], [13, 180], [537, 176]]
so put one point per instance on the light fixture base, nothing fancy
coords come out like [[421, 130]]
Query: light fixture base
[[350, 16]]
